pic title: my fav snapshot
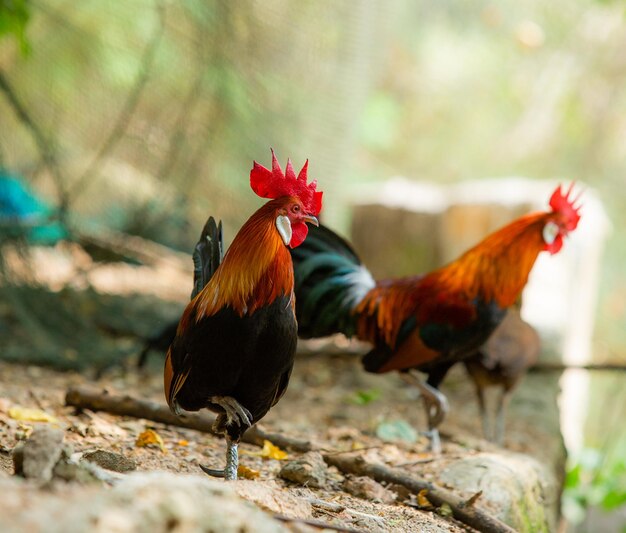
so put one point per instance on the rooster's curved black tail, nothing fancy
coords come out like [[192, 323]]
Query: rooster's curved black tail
[[207, 256]]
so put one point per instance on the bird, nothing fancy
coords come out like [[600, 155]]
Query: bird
[[431, 321], [501, 362], [235, 343]]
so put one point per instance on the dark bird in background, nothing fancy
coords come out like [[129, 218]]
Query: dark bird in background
[[426, 322], [159, 342], [501, 362], [235, 343]]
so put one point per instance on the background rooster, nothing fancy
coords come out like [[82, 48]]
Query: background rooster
[[235, 343], [501, 362], [427, 322]]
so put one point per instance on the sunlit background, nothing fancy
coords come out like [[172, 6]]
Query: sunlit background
[[144, 117]]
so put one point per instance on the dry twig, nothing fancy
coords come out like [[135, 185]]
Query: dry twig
[[124, 405], [462, 512]]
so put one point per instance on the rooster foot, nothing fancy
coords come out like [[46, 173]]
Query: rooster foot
[[229, 473], [436, 406], [234, 414]]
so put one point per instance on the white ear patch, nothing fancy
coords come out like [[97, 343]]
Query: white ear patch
[[550, 232], [284, 228]]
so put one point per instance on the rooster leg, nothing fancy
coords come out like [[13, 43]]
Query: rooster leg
[[234, 414], [500, 415], [484, 416], [436, 405], [229, 473]]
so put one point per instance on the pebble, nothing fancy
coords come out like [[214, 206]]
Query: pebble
[[309, 470], [37, 456], [110, 460]]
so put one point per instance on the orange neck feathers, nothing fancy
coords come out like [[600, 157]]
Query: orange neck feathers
[[256, 270], [497, 268]]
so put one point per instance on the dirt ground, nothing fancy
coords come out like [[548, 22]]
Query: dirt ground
[[326, 403]]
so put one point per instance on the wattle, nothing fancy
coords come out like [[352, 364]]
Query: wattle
[[299, 232]]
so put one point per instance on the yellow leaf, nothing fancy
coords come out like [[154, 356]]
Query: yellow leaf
[[183, 442], [31, 415], [270, 451], [247, 473], [422, 500], [150, 438]]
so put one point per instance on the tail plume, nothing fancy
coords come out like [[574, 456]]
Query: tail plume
[[330, 281], [207, 255]]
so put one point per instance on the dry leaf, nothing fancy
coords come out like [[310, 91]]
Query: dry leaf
[[269, 451], [150, 438], [183, 442], [247, 473], [445, 510], [422, 500], [27, 414]]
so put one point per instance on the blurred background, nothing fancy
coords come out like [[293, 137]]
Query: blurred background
[[142, 117]]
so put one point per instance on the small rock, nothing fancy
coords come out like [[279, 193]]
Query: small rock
[[37, 457], [309, 470], [110, 460], [368, 489]]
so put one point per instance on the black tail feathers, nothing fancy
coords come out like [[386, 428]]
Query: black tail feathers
[[330, 281], [207, 256]]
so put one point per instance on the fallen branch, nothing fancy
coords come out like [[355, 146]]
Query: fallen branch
[[124, 405], [461, 511], [334, 508]]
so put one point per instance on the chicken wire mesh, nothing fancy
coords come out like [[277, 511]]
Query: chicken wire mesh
[[144, 117]]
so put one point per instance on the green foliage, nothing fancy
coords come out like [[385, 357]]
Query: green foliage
[[395, 430], [14, 15], [593, 481], [364, 397]]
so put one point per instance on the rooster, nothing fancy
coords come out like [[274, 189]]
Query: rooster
[[235, 343], [427, 322], [502, 361]]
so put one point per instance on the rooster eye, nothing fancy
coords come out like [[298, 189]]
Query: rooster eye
[[296, 208]]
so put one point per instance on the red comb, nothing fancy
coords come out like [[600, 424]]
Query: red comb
[[564, 204], [274, 184]]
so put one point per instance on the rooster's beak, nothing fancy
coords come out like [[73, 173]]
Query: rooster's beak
[[311, 220]]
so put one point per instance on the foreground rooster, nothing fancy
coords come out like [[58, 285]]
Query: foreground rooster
[[427, 322], [235, 343]]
